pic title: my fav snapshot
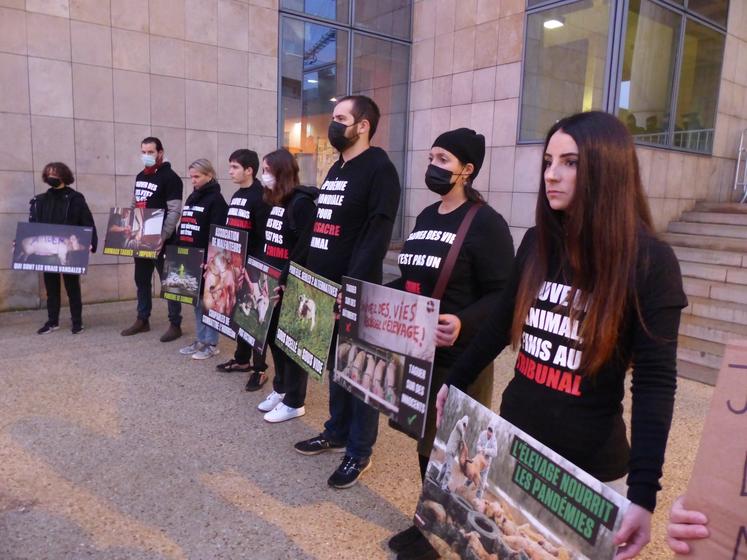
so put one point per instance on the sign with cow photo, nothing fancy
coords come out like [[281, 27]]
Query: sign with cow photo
[[222, 277], [133, 232], [307, 322], [493, 491], [385, 350], [182, 274], [52, 248], [255, 304]]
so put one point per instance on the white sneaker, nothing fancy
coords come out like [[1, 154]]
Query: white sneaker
[[196, 346], [271, 401], [282, 412], [207, 351]]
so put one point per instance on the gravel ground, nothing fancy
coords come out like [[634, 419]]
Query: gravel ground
[[120, 448]]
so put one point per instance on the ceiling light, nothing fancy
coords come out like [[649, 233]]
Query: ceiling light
[[553, 24], [312, 81]]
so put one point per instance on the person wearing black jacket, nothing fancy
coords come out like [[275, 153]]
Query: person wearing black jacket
[[593, 291], [204, 207], [156, 186], [62, 205], [350, 236], [474, 285]]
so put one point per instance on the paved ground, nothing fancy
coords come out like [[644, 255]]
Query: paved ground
[[114, 448]]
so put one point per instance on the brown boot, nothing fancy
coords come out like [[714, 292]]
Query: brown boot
[[173, 333], [140, 325]]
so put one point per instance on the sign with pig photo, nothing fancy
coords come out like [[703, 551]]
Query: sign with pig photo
[[385, 350], [493, 491], [52, 248]]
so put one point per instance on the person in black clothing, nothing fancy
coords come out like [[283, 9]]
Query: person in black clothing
[[479, 275], [204, 207], [292, 212], [156, 186], [592, 292], [62, 205], [247, 211], [350, 236]]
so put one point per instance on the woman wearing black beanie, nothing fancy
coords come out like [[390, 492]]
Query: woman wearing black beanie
[[467, 291]]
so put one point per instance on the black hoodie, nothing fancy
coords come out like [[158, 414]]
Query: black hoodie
[[205, 206], [286, 225], [63, 206]]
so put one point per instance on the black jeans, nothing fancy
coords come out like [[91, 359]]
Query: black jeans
[[72, 287], [143, 281]]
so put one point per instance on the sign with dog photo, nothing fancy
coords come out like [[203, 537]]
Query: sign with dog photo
[[493, 491], [182, 274], [255, 304], [385, 350], [133, 232], [52, 248], [307, 322]]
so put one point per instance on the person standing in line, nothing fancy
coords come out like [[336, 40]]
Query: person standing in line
[[61, 204], [156, 186], [204, 207], [593, 291], [291, 216], [350, 236], [247, 211]]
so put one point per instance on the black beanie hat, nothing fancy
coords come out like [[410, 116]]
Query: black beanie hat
[[466, 145]]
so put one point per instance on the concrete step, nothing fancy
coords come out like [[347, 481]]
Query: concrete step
[[712, 330], [707, 256], [714, 272], [719, 310], [731, 218], [730, 207], [712, 230], [723, 291], [696, 372], [713, 243], [700, 352]]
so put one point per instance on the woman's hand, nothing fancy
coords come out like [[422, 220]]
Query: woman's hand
[[447, 330], [634, 533], [685, 525], [443, 393], [277, 294]]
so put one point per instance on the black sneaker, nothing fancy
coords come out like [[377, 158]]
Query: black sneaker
[[317, 445], [405, 538], [349, 471], [77, 329], [48, 328]]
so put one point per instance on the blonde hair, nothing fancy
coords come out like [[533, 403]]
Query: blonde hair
[[203, 166]]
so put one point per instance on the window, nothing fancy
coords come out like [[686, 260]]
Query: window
[[335, 10]]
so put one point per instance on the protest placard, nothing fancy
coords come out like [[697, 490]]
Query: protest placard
[[133, 232], [224, 269], [182, 274], [306, 324], [718, 486], [52, 248], [490, 488], [255, 303], [385, 350]]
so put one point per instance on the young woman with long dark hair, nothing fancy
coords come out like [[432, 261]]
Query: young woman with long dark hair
[[593, 292]]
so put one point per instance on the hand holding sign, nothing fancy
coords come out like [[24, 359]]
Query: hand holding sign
[[443, 394], [685, 525], [634, 533], [448, 329]]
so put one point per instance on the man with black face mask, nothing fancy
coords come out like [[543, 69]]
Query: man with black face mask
[[350, 236]]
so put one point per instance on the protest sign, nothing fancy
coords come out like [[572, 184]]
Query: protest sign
[[182, 274], [133, 232], [718, 486], [52, 248], [490, 488], [224, 270], [306, 324], [255, 304], [385, 350]]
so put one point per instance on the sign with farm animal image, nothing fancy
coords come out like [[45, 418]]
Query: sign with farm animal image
[[222, 277], [492, 489], [307, 320], [385, 350], [255, 304], [133, 232], [182, 274], [52, 248]]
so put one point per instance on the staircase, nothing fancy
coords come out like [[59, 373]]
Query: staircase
[[711, 245]]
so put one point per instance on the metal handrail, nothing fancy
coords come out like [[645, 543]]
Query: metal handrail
[[742, 164]]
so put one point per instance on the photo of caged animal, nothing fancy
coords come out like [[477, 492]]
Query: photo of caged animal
[[374, 371]]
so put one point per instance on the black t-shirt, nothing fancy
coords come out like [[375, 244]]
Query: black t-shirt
[[354, 219], [286, 224], [154, 190], [580, 416], [480, 272], [205, 206], [247, 211]]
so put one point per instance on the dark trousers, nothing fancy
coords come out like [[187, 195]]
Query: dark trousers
[[351, 421], [281, 364], [245, 354], [295, 380], [143, 281], [72, 287]]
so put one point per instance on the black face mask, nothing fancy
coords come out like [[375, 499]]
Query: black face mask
[[336, 135], [438, 180], [53, 182]]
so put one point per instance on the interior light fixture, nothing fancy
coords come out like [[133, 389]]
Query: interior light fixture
[[333, 99], [312, 81], [553, 24]]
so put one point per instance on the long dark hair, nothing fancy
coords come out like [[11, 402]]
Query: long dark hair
[[472, 194], [284, 168], [597, 235]]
